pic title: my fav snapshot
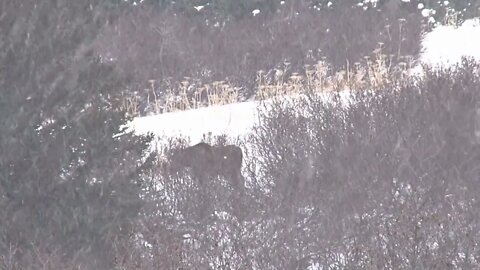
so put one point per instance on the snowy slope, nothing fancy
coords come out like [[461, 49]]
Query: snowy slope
[[235, 120], [444, 46]]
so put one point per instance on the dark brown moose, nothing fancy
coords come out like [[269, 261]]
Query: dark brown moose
[[205, 160]]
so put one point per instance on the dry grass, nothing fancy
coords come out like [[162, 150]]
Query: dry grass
[[191, 97], [452, 17], [373, 71], [130, 104], [185, 95]]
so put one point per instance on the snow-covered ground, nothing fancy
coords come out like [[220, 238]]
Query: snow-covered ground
[[444, 46], [235, 120]]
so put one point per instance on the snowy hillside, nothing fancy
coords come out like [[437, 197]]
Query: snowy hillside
[[444, 46]]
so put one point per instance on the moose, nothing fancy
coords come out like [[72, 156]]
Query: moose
[[205, 161]]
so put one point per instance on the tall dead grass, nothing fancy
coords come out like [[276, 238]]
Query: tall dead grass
[[372, 71]]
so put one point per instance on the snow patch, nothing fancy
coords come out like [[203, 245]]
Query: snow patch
[[446, 45], [236, 120], [232, 119]]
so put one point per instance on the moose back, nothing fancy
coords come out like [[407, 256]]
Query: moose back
[[205, 161]]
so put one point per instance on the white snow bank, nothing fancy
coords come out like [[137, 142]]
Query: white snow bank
[[446, 45], [235, 120], [232, 119]]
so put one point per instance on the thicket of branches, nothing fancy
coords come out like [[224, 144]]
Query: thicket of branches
[[159, 45], [389, 183], [392, 181]]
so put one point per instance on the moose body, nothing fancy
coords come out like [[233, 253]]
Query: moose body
[[205, 160]]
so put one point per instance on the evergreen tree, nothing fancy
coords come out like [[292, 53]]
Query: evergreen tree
[[68, 185]]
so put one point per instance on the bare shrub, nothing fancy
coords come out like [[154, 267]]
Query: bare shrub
[[390, 182]]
